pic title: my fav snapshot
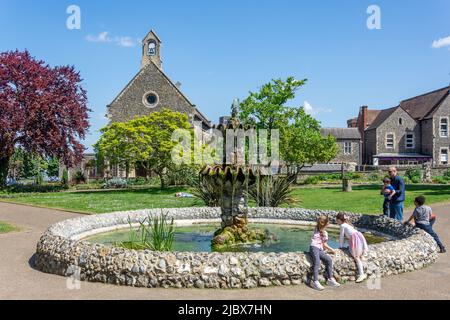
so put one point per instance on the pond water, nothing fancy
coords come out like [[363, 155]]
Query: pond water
[[197, 238]]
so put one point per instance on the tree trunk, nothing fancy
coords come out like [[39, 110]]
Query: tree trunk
[[4, 167], [162, 179]]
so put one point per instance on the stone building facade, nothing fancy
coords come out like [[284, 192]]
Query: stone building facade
[[414, 132], [152, 90], [349, 145]]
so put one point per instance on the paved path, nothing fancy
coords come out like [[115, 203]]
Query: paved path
[[18, 280]]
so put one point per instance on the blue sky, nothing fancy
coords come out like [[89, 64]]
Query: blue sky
[[219, 50]]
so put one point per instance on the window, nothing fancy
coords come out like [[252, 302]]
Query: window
[[347, 148], [390, 137], [152, 48], [444, 156], [400, 121], [444, 127], [409, 141], [150, 99]]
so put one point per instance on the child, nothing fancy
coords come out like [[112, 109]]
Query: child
[[388, 192], [422, 216], [358, 244], [318, 244]]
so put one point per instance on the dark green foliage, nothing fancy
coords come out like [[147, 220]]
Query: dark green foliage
[[272, 191], [206, 190], [312, 180], [80, 177], [414, 175], [65, 179], [33, 188]]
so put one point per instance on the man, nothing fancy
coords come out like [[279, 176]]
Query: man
[[396, 204]]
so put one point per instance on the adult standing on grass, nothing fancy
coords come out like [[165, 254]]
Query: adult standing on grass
[[396, 204]]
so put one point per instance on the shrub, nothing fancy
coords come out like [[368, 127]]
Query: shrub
[[440, 180], [65, 179], [80, 177], [207, 191], [115, 183], [447, 175], [34, 188], [311, 180], [374, 177], [415, 175], [272, 191]]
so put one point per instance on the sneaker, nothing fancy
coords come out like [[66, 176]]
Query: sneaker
[[317, 286], [333, 283], [361, 278], [443, 250]]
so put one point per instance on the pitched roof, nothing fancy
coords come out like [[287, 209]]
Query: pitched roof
[[381, 117], [422, 106], [141, 71], [342, 133], [371, 116], [154, 34]]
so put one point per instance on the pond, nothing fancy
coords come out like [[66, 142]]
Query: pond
[[197, 238]]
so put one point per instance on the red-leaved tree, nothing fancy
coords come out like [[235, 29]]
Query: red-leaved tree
[[43, 109]]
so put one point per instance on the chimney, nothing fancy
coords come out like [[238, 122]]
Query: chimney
[[364, 117]]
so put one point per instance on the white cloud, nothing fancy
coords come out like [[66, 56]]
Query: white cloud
[[309, 109], [442, 42], [122, 41], [127, 42], [102, 37]]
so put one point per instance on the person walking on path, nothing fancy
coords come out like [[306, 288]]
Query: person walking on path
[[396, 203]]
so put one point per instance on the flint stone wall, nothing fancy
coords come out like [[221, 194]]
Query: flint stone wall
[[60, 252]]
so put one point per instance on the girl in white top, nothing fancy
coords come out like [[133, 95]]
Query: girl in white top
[[357, 243]]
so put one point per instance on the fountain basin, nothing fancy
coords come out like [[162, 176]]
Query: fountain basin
[[62, 250]]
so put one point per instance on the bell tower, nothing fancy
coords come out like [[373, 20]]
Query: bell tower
[[151, 50]]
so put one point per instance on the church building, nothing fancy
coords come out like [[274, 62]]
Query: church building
[[152, 90]]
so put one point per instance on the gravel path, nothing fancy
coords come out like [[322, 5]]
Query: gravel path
[[18, 279]]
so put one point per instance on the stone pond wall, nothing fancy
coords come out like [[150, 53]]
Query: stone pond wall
[[60, 251]]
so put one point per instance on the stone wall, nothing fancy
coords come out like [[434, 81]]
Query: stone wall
[[440, 142], [60, 251]]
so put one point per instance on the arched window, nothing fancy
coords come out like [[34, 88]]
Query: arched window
[[151, 48]]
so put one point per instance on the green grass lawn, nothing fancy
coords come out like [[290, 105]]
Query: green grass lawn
[[6, 227], [364, 199]]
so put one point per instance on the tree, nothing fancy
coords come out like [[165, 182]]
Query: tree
[[300, 139], [159, 127], [145, 141], [301, 142], [42, 109], [267, 108], [123, 144]]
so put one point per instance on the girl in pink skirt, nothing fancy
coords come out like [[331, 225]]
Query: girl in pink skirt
[[357, 243]]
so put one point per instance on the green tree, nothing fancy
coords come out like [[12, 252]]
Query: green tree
[[122, 144], [301, 142], [300, 139], [158, 128], [267, 108], [146, 141]]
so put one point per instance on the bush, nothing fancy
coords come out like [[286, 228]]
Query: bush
[[440, 180], [79, 177], [375, 177], [34, 188], [447, 175], [272, 191], [415, 175], [207, 191], [115, 183], [65, 179], [312, 180]]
